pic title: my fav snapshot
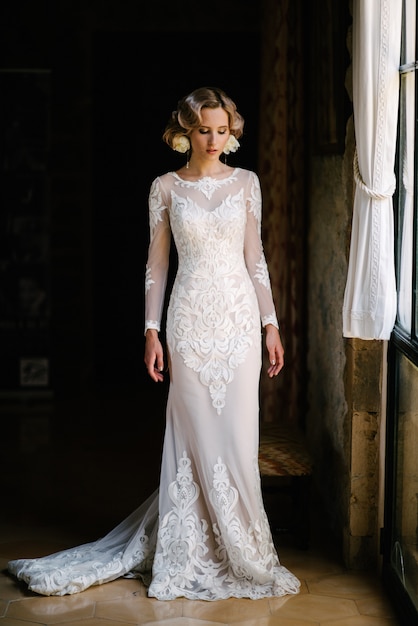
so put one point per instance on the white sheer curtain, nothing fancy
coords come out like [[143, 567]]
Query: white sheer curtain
[[406, 184], [369, 308]]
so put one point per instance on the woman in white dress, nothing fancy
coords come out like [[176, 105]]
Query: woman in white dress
[[204, 533]]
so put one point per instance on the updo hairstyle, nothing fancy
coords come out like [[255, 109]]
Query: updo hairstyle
[[188, 116]]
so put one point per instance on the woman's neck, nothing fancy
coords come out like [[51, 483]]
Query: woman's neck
[[196, 170]]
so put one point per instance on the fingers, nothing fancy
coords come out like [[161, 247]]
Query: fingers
[[275, 350], [156, 373], [155, 367], [276, 365], [154, 358]]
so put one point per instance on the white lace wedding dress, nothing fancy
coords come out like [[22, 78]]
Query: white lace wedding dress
[[204, 533]]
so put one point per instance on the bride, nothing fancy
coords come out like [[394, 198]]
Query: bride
[[203, 534]]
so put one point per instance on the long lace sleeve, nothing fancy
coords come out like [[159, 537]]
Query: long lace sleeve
[[158, 257], [254, 254]]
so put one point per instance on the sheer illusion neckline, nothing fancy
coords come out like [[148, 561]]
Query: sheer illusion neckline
[[199, 180]]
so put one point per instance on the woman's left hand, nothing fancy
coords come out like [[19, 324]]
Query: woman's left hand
[[275, 350]]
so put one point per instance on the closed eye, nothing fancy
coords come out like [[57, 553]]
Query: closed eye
[[205, 131]]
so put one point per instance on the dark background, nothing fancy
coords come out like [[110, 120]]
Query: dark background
[[89, 87], [132, 103]]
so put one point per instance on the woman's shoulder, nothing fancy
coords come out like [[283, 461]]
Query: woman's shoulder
[[164, 179], [246, 174], [162, 183], [248, 179]]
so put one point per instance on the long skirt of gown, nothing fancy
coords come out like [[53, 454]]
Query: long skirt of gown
[[204, 533]]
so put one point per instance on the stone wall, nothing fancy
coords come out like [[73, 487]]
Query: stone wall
[[345, 375]]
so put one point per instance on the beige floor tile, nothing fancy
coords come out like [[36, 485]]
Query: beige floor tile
[[313, 567], [138, 610], [360, 620], [376, 606], [93, 621], [230, 611], [18, 622], [3, 607], [349, 585], [185, 621], [50, 610], [317, 608], [116, 590], [11, 589], [273, 620]]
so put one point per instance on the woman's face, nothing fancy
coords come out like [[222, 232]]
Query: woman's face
[[208, 141]]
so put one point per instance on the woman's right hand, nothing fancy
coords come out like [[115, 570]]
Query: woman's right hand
[[154, 356]]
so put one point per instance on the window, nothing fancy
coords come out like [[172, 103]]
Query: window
[[400, 546]]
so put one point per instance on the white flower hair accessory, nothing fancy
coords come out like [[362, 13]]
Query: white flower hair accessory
[[181, 143], [231, 145]]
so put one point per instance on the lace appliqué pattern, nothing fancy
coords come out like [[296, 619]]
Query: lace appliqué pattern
[[270, 319], [211, 320], [72, 571], [255, 202], [156, 206], [179, 561], [245, 563], [151, 324], [148, 279], [206, 185], [262, 274]]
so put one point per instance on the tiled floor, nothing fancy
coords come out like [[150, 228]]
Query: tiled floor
[[59, 468], [330, 595]]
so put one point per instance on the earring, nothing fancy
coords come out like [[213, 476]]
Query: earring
[[187, 162]]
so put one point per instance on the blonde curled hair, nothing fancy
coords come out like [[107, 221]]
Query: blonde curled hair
[[188, 115]]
